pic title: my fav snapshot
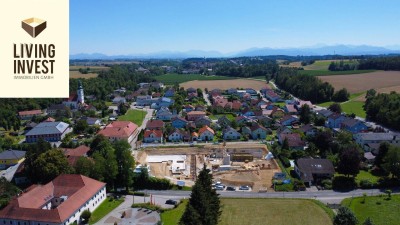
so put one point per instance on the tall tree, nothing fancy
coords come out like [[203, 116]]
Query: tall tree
[[305, 114], [204, 204], [345, 217], [349, 161], [84, 166], [51, 164], [125, 162], [392, 161], [335, 107], [383, 149]]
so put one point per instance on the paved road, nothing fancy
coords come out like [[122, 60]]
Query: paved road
[[149, 114], [327, 196], [205, 96]]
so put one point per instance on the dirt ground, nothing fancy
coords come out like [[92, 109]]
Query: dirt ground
[[362, 82], [225, 84], [380, 90]]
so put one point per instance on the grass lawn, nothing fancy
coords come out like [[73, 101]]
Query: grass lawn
[[355, 107], [108, 103], [274, 212], [228, 115], [104, 208], [364, 175], [135, 116], [329, 73], [258, 78], [172, 217], [380, 210], [173, 78]]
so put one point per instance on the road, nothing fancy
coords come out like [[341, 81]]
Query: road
[[327, 196], [187, 144], [149, 114], [205, 96]]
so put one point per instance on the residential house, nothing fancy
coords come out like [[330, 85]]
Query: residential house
[[162, 102], [290, 109], [194, 115], [308, 130], [230, 134], [151, 136], [251, 91], [73, 154], [313, 171], [194, 136], [236, 105], [155, 125], [246, 130], [144, 100], [118, 100], [277, 113], [324, 113], [191, 90], [203, 121], [371, 141], [164, 114], [240, 120], [59, 202], [354, 126], [189, 108], [369, 157], [91, 121], [335, 120], [294, 141], [264, 120], [272, 96], [58, 109], [49, 119], [27, 115], [10, 158], [206, 133], [232, 91], [179, 122], [224, 121], [169, 93], [48, 131], [288, 120], [157, 84], [120, 130], [200, 108], [302, 103], [283, 130], [258, 132], [178, 135]]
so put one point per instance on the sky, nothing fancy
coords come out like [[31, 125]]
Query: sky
[[122, 27]]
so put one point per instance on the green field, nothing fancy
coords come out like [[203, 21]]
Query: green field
[[172, 217], [329, 73], [104, 208], [364, 175], [319, 65], [230, 116], [174, 78], [378, 208], [354, 107], [135, 116], [264, 212]]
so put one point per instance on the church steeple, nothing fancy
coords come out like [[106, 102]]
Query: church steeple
[[81, 99]]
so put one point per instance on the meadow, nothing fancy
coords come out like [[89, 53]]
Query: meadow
[[135, 116], [173, 78]]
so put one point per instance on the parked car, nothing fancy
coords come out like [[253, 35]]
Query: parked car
[[244, 188], [219, 187], [171, 202], [230, 188]]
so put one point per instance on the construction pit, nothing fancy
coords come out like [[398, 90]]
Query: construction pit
[[231, 164]]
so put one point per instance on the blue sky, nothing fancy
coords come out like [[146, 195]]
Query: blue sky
[[145, 26]]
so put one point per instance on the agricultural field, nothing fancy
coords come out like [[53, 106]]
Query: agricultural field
[[379, 208], [330, 73], [362, 82], [226, 84], [76, 75], [93, 71], [173, 78]]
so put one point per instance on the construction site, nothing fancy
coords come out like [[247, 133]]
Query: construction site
[[236, 164]]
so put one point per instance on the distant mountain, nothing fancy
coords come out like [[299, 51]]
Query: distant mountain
[[319, 49]]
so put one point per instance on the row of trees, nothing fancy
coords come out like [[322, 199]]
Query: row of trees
[[247, 70], [381, 63], [342, 66], [303, 86], [383, 108]]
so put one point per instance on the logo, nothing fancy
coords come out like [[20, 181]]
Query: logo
[[34, 26]]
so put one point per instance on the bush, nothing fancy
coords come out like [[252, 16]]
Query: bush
[[386, 182], [342, 183], [327, 184], [285, 161], [366, 184], [86, 215]]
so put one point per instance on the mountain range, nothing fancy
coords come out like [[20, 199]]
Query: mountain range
[[304, 51]]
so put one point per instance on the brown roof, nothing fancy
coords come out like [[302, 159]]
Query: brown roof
[[50, 119], [79, 189], [196, 113], [120, 129], [157, 133], [151, 124], [205, 128], [30, 112], [79, 151]]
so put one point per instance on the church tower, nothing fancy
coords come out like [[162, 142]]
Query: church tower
[[80, 99]]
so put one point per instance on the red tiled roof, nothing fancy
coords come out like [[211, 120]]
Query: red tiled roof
[[50, 119], [154, 124], [196, 113], [30, 112], [72, 97], [119, 129], [79, 189], [157, 133], [79, 151], [205, 128]]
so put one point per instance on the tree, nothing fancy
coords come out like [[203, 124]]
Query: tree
[[312, 150], [349, 161], [86, 214], [51, 164], [81, 126], [368, 221], [125, 163], [380, 158], [335, 107], [341, 96], [204, 204], [285, 144], [392, 161], [305, 114], [84, 166], [345, 217]]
